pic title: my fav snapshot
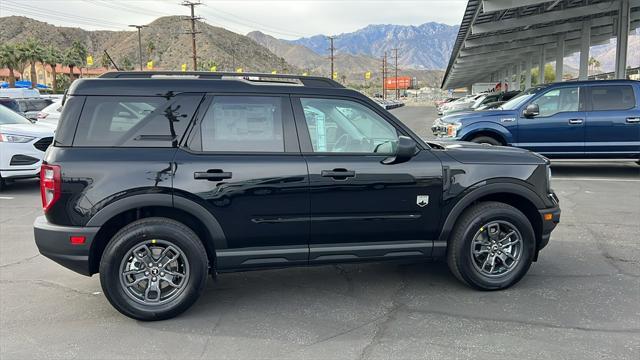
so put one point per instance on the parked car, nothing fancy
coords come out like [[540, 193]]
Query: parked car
[[462, 103], [11, 104], [482, 99], [19, 93], [569, 120], [155, 183], [22, 146], [32, 106], [490, 106], [50, 114]]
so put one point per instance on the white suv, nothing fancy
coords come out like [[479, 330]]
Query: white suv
[[22, 146]]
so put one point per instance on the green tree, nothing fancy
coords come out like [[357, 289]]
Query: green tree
[[52, 57], [594, 65], [33, 52], [549, 75], [151, 47], [104, 61], [11, 59], [81, 53], [126, 64], [71, 59]]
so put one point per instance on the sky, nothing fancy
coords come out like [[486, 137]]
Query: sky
[[285, 19]]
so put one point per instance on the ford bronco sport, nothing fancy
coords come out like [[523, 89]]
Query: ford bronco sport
[[156, 180]]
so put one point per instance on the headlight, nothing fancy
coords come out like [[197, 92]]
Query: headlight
[[452, 129], [15, 138]]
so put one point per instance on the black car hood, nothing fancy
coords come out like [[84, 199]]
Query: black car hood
[[472, 153]]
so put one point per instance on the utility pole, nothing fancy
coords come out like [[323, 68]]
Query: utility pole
[[384, 76], [331, 56], [395, 50], [139, 27], [193, 31]]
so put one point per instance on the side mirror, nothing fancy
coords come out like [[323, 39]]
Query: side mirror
[[405, 150], [531, 110]]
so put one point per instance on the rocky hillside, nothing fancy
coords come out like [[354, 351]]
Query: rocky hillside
[[170, 46], [427, 46], [351, 66]]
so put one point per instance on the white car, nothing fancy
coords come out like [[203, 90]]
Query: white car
[[22, 146], [51, 113]]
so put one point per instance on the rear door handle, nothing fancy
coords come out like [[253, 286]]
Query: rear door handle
[[338, 174], [575, 121], [212, 175], [633, 120]]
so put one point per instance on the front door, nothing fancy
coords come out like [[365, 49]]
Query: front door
[[361, 208], [242, 162], [559, 129], [613, 122]]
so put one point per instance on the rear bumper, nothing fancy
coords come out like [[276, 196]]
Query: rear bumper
[[53, 241]]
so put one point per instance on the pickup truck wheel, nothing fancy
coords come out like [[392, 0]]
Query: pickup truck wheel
[[486, 140], [491, 247], [153, 269]]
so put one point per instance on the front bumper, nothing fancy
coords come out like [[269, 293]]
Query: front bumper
[[53, 241], [550, 219]]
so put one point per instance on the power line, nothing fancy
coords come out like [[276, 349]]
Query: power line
[[193, 31]]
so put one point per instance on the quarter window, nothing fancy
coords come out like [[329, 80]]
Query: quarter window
[[558, 100], [618, 97], [244, 124], [342, 126]]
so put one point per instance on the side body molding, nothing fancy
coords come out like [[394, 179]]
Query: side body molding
[[494, 188], [165, 200]]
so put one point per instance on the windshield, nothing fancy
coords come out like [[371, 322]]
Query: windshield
[[10, 117], [521, 98]]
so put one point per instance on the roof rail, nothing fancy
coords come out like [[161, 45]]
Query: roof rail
[[309, 81]]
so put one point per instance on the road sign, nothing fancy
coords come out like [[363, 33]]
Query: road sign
[[89, 60], [184, 67], [150, 65]]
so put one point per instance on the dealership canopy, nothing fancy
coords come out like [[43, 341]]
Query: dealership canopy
[[500, 38]]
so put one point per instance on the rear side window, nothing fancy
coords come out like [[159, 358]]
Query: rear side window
[[242, 124], [135, 121], [616, 97]]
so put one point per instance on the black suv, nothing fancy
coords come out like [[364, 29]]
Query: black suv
[[155, 180]]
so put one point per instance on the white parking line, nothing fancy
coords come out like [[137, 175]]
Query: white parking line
[[6, 198], [596, 179]]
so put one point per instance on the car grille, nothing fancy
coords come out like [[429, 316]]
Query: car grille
[[43, 143]]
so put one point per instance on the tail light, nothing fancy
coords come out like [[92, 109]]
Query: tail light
[[50, 184]]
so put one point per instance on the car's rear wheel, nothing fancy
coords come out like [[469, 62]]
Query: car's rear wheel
[[153, 269], [491, 247], [486, 140]]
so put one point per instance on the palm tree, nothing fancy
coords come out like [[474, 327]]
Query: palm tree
[[71, 59], [10, 58], [594, 64], [32, 52], [53, 57]]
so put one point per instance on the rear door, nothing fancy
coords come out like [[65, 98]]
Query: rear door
[[613, 121], [559, 130], [361, 208], [242, 162]]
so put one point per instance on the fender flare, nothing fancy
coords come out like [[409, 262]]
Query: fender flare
[[494, 188], [485, 126], [165, 200]]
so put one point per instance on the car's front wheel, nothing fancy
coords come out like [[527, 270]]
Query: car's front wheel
[[491, 247], [153, 269]]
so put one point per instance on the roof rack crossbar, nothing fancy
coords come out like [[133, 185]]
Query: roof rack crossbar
[[310, 81]]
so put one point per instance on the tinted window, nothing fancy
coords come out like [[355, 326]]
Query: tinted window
[[347, 126], [617, 97], [11, 104], [242, 123], [135, 121], [558, 100]]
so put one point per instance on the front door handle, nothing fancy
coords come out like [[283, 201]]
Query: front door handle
[[575, 121], [633, 120], [212, 175], [338, 174]]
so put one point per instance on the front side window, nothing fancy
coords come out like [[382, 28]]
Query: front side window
[[616, 97], [558, 100], [343, 126], [242, 124]]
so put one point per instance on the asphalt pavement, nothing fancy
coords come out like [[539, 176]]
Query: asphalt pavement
[[581, 300]]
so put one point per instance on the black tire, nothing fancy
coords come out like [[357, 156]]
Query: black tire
[[2, 184], [486, 140], [142, 232], [472, 221]]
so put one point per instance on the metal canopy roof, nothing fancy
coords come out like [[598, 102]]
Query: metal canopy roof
[[499, 34]]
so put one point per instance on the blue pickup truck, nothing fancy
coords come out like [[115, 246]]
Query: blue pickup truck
[[567, 120]]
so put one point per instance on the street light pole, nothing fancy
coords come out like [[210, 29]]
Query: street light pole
[[139, 27]]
